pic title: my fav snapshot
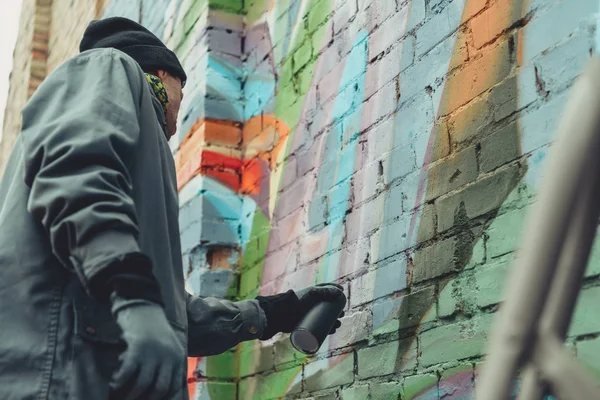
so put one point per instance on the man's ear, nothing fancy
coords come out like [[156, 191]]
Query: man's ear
[[161, 74]]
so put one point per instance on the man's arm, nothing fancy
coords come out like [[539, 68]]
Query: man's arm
[[80, 133], [216, 325]]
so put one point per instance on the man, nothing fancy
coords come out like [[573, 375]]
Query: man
[[92, 298]]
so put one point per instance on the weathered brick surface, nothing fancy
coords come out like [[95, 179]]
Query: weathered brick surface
[[392, 146]]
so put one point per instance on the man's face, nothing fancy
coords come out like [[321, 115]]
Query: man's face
[[172, 85]]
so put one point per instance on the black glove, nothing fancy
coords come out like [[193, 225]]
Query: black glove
[[285, 310], [153, 364]]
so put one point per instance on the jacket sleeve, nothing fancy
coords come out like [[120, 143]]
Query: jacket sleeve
[[80, 134], [216, 325]]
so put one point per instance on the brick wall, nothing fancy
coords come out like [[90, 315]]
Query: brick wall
[[394, 147], [69, 20], [49, 33], [391, 146], [19, 80]]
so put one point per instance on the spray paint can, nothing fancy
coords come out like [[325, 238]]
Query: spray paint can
[[312, 330]]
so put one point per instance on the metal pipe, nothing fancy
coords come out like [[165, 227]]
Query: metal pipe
[[565, 287], [547, 226]]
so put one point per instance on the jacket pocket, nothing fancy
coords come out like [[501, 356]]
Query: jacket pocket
[[95, 349]]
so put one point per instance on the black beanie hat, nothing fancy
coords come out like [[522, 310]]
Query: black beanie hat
[[134, 40]]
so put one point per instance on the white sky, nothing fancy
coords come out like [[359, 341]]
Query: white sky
[[9, 29]]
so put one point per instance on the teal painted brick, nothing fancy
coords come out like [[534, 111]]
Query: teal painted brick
[[538, 128], [447, 301], [506, 232], [478, 255], [491, 283], [593, 267], [564, 19], [439, 26], [586, 321], [587, 353], [356, 393], [386, 391], [455, 341], [559, 66]]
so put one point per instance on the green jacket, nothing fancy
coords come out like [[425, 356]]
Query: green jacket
[[91, 178]]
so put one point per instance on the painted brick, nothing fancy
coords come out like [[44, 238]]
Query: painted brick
[[480, 197], [454, 342], [390, 278], [505, 232], [587, 353], [457, 380], [391, 239], [416, 385], [342, 15], [491, 283], [539, 126], [366, 182], [435, 260], [399, 57], [270, 384], [428, 70], [385, 359], [448, 299], [285, 352], [386, 391], [330, 396], [585, 319], [255, 360], [221, 366], [540, 39], [413, 119], [360, 392], [593, 268], [433, 90], [361, 289], [355, 327], [417, 14], [415, 306], [379, 105], [218, 390], [452, 173], [480, 75], [473, 7], [331, 372], [438, 27], [560, 65], [499, 148], [428, 223], [389, 32], [488, 25], [468, 122]]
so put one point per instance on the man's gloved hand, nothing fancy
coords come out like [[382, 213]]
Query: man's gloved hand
[[152, 365], [285, 310]]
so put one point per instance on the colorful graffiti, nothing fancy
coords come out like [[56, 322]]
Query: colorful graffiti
[[390, 146]]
